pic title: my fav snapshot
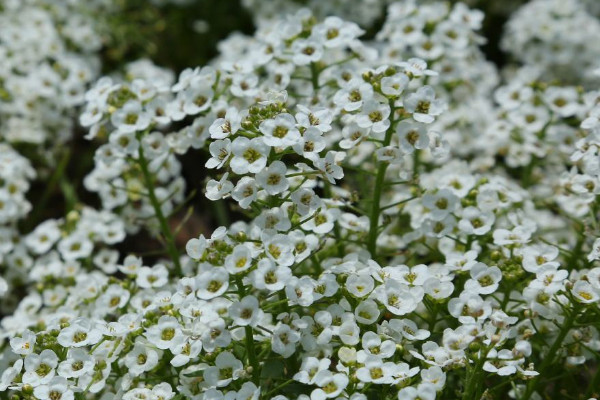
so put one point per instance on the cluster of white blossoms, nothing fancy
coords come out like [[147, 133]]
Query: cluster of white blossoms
[[365, 12], [48, 59], [15, 177], [555, 36], [447, 39], [119, 111], [402, 225]]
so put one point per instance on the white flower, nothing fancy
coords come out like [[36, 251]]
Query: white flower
[[329, 165], [330, 385], [475, 221], [367, 312], [44, 236], [353, 135], [154, 277], [141, 358], [284, 340], [409, 329], [360, 285], [75, 246], [239, 260], [279, 249], [57, 388], [131, 265], [309, 369], [220, 151], [40, 368], [320, 118], [77, 364], [197, 97], [423, 105], [306, 51], [9, 374], [246, 312], [248, 391], [311, 143], [352, 97], [412, 136], [424, 391], [212, 283], [216, 190], [484, 279], [394, 85], [124, 143], [540, 255], [416, 67], [280, 131], [334, 32], [273, 179], [323, 221], [166, 334], [469, 307], [396, 297], [226, 369], [374, 115], [306, 200], [244, 85], [245, 192], [435, 376], [270, 276], [374, 346], [376, 371], [438, 289], [24, 344], [163, 391], [130, 118], [81, 332], [584, 292], [549, 279], [249, 155]]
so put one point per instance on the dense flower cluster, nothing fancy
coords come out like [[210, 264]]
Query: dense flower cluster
[[401, 225], [48, 58], [364, 12], [554, 36]]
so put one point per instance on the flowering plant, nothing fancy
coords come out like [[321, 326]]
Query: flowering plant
[[394, 220]]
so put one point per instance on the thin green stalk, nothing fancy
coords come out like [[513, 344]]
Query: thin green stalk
[[274, 391], [475, 375], [336, 228], [314, 76], [250, 350], [378, 189], [549, 359], [221, 214], [164, 225], [54, 180], [594, 384]]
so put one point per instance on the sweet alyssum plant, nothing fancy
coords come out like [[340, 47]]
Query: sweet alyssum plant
[[369, 258]]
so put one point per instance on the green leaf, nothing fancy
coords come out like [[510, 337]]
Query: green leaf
[[194, 374], [272, 369]]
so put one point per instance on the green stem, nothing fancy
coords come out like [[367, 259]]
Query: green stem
[[339, 244], [56, 177], [594, 385], [164, 225], [378, 189], [550, 356], [314, 76], [416, 162], [284, 384], [250, 350], [475, 375], [221, 214]]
